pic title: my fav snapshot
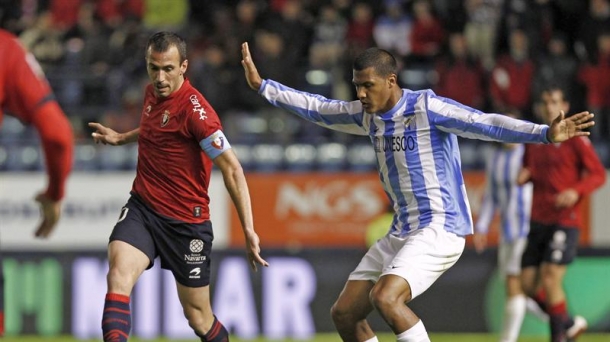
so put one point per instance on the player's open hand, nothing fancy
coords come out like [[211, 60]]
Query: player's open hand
[[105, 135], [563, 128], [253, 251], [252, 76], [50, 212]]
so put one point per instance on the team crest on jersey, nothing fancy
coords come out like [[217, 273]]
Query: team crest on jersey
[[409, 123], [218, 142], [165, 118]]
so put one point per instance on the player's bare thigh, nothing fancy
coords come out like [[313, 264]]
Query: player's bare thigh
[[127, 263]]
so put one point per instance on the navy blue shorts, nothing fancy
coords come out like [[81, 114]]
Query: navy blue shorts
[[183, 248], [550, 243]]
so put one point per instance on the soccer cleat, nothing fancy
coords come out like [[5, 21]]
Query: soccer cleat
[[580, 326]]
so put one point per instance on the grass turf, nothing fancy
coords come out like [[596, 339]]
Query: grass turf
[[331, 338]]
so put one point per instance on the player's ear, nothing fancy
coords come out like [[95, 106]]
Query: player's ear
[[392, 80], [184, 66]]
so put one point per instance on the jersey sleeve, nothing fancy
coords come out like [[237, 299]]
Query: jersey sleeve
[[27, 88], [337, 115], [453, 117], [204, 124], [594, 175]]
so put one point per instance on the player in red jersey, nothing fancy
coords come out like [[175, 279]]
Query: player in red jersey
[[562, 174], [26, 95], [179, 137]]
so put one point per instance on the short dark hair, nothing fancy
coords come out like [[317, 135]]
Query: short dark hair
[[551, 88], [162, 41], [381, 60]]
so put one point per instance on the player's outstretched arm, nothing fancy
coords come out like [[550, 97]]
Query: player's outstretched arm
[[108, 136], [235, 182], [563, 128], [252, 76]]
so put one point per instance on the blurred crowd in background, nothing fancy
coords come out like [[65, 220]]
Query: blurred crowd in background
[[493, 55]]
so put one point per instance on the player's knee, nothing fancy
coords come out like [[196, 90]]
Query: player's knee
[[341, 314], [382, 298], [119, 281]]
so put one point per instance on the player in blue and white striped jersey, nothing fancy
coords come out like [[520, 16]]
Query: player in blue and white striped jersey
[[414, 136], [513, 203]]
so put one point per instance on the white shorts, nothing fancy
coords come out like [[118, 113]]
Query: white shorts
[[420, 258], [509, 256]]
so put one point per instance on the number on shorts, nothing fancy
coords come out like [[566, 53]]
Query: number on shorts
[[124, 212]]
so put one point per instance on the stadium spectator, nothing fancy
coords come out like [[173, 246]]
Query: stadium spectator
[[556, 67], [511, 77], [595, 77], [513, 203], [481, 29], [459, 75], [167, 215], [26, 94], [414, 136], [562, 174], [427, 35]]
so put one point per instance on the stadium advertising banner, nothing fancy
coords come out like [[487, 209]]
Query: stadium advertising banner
[[54, 294], [333, 209], [91, 208]]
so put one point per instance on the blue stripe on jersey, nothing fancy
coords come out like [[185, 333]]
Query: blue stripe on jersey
[[467, 122], [309, 113]]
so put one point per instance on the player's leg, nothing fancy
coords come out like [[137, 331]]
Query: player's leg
[[198, 311], [130, 252], [420, 259], [509, 265], [561, 251], [126, 265], [530, 264], [350, 310], [185, 250]]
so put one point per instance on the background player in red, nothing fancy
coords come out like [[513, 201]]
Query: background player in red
[[179, 137], [562, 174], [26, 95]]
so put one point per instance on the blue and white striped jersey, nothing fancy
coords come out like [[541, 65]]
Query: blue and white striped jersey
[[503, 195], [416, 146]]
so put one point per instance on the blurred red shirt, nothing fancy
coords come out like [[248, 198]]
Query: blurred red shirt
[[556, 167]]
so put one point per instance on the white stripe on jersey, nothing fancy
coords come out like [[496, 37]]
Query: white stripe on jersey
[[503, 195], [416, 147]]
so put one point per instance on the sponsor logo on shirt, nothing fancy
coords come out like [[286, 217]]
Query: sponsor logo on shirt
[[147, 111], [197, 108], [394, 143], [165, 118]]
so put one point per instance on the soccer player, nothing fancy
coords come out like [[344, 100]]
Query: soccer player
[[414, 136], [26, 95], [167, 215], [513, 203], [561, 173]]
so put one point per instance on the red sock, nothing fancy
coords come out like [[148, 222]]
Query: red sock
[[540, 299], [558, 314], [116, 320], [1, 323]]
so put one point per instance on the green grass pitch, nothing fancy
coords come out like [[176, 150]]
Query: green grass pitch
[[332, 338]]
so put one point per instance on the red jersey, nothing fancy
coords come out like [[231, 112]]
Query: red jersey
[[557, 167], [179, 137], [26, 94]]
